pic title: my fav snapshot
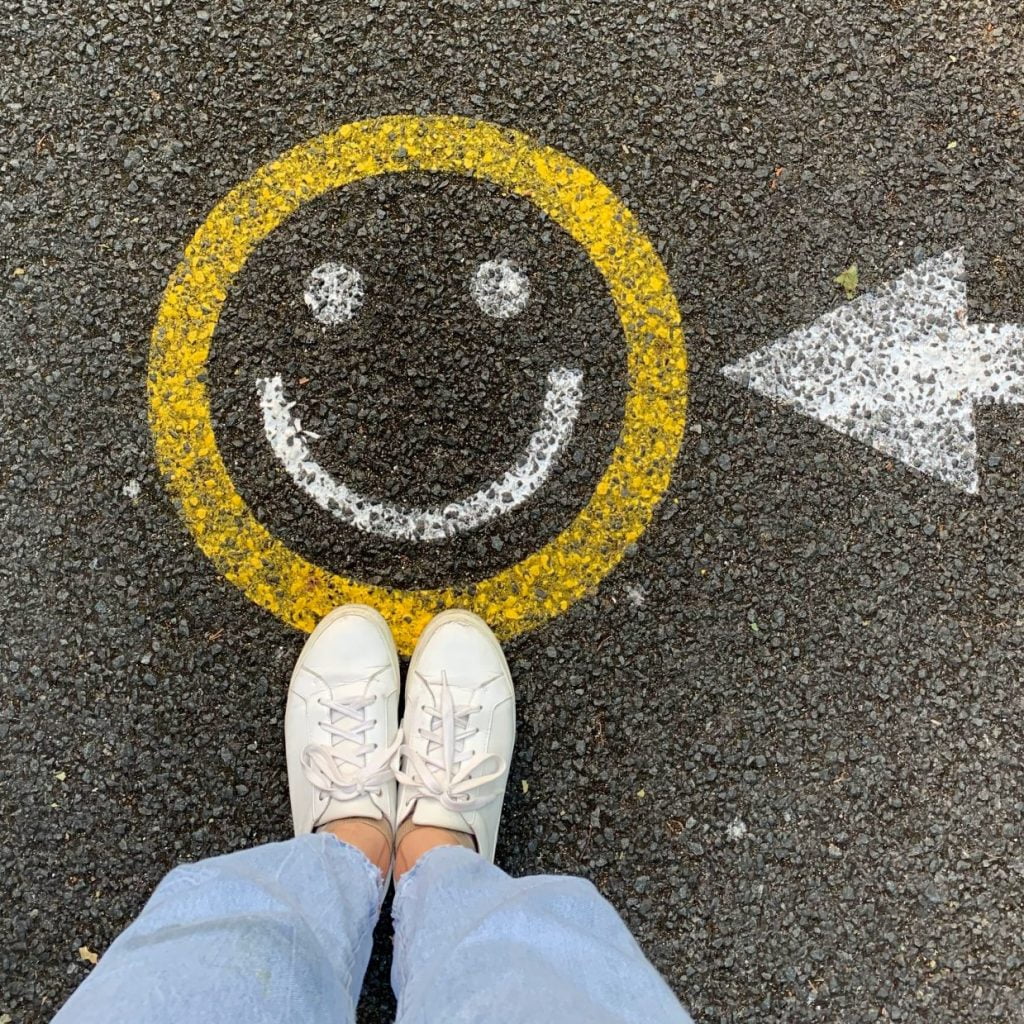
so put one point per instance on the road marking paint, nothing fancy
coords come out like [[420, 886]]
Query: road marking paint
[[736, 830], [334, 292], [288, 441], [569, 566], [900, 370], [500, 289]]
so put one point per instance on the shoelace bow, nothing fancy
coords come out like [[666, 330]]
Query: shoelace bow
[[443, 770], [346, 771]]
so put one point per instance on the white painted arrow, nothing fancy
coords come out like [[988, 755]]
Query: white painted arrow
[[900, 370]]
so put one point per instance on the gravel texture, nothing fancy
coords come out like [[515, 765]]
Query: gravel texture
[[785, 736]]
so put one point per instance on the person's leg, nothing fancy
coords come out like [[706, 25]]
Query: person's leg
[[469, 940], [278, 932], [471, 943], [284, 930]]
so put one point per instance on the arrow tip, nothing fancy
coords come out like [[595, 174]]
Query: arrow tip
[[736, 371]]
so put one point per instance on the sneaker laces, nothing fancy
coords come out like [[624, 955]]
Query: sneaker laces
[[443, 770], [347, 770]]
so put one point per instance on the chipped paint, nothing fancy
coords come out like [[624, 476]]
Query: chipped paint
[[500, 289], [900, 370], [566, 568], [290, 443], [334, 292]]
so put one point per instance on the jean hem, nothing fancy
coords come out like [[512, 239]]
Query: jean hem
[[372, 873]]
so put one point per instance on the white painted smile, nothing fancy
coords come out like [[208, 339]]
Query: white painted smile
[[288, 440], [334, 293]]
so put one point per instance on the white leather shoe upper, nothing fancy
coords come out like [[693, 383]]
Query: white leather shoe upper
[[459, 729], [341, 721]]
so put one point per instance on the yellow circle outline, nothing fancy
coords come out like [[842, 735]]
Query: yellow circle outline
[[543, 584]]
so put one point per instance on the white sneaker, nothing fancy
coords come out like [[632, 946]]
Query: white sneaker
[[459, 730], [341, 732]]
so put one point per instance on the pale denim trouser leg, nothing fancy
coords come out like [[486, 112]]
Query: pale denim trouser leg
[[278, 933], [473, 945], [283, 933]]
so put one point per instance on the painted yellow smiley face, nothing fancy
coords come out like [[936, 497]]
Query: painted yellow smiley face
[[546, 582]]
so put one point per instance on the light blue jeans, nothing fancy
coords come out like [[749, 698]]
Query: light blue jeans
[[283, 933]]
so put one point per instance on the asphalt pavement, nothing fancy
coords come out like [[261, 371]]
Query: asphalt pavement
[[784, 735]]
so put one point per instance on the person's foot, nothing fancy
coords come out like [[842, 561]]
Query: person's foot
[[458, 733], [341, 731]]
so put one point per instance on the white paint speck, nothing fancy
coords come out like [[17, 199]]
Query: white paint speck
[[132, 489], [736, 830], [900, 370], [289, 442], [500, 289], [637, 595], [334, 293]]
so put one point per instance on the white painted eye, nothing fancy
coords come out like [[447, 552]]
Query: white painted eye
[[334, 292], [500, 289]]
